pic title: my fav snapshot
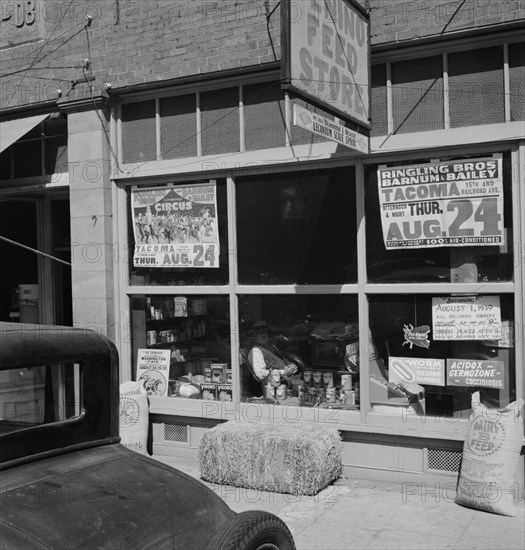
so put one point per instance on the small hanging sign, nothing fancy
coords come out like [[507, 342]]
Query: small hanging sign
[[330, 129], [417, 336]]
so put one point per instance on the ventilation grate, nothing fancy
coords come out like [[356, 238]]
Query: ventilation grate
[[443, 460], [176, 433]]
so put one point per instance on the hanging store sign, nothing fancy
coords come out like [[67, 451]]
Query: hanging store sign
[[456, 203], [473, 373], [175, 226], [326, 56], [418, 370], [416, 336], [466, 318], [329, 129]]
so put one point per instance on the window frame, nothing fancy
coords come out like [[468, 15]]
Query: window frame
[[325, 155]]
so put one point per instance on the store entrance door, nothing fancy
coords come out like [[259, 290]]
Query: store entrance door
[[35, 247]]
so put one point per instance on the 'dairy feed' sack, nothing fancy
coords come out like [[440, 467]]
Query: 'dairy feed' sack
[[488, 476], [134, 417]]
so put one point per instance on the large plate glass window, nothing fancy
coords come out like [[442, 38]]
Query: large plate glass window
[[300, 350], [178, 234], [181, 345], [429, 353], [440, 221], [297, 228]]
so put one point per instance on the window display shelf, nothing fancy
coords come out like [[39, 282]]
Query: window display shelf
[[172, 320]]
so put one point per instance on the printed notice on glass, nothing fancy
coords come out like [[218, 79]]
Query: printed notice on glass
[[455, 203], [466, 318], [153, 367], [175, 226]]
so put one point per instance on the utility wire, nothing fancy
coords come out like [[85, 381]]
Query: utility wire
[[89, 79], [20, 245], [35, 59]]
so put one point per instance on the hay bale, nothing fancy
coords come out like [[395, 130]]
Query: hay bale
[[282, 458]]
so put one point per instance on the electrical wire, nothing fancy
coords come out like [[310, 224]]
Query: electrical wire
[[35, 59], [89, 78]]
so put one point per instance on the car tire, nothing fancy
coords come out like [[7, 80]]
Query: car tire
[[254, 530]]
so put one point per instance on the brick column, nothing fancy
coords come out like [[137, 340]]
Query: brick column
[[91, 216]]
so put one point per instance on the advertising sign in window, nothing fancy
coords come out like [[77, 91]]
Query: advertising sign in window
[[454, 203], [175, 226], [474, 373], [420, 370]]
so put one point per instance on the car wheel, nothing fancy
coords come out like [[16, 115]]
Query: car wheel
[[254, 531]]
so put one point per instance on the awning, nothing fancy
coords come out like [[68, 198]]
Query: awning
[[13, 130]]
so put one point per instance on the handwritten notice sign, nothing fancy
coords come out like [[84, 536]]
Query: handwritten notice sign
[[153, 367], [466, 318], [456, 203], [471, 373], [419, 370]]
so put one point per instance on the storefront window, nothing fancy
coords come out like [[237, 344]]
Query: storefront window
[[300, 350], [297, 228], [179, 234], [440, 221], [429, 353], [181, 345]]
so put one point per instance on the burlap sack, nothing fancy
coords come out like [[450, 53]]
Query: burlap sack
[[491, 454], [134, 417]]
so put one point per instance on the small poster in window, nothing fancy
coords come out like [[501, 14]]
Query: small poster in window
[[420, 370], [175, 226], [153, 367], [473, 373], [453, 203], [466, 318]]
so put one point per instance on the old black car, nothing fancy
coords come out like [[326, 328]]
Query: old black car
[[67, 482]]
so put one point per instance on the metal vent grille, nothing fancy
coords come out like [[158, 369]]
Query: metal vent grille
[[378, 110], [139, 142], [300, 136], [476, 87], [417, 95], [178, 127], [220, 121], [517, 80], [176, 433], [264, 116], [443, 460]]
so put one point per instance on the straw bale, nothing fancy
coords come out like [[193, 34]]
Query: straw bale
[[282, 458]]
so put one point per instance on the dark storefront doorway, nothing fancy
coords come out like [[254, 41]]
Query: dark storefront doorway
[[33, 286]]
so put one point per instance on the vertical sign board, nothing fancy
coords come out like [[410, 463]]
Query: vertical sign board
[[326, 56]]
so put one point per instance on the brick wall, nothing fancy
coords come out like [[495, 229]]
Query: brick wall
[[131, 42], [135, 41], [396, 20]]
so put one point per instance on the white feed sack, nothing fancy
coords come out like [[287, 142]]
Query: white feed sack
[[134, 417], [488, 479]]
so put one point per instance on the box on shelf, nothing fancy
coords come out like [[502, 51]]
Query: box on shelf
[[181, 306], [209, 391], [224, 392], [218, 372], [198, 306]]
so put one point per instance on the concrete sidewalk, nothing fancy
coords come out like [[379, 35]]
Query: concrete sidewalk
[[362, 515]]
